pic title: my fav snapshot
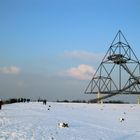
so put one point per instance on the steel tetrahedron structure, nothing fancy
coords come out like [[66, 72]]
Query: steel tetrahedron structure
[[118, 73]]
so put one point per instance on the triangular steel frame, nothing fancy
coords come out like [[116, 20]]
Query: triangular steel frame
[[119, 71]]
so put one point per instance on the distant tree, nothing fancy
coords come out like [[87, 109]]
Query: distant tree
[[66, 101], [78, 101], [91, 101], [115, 102], [13, 100], [57, 100], [19, 100]]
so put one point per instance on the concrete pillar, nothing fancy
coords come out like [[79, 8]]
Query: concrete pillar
[[139, 99], [98, 96]]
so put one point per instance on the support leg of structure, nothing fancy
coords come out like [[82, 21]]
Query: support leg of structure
[[98, 96], [139, 99]]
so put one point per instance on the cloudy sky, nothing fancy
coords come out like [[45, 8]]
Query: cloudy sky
[[51, 48]]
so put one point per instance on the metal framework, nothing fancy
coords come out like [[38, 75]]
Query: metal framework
[[118, 73]]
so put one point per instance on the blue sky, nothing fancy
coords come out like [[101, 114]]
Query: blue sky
[[43, 42]]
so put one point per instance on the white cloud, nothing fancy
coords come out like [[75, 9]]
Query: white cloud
[[10, 70], [84, 55], [82, 72]]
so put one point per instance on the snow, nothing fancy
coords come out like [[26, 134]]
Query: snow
[[35, 121]]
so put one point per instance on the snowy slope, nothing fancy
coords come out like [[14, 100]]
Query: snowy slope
[[33, 121]]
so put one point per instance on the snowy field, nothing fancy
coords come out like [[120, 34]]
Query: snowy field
[[35, 121]]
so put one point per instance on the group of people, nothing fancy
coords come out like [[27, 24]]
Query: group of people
[[44, 103], [42, 100]]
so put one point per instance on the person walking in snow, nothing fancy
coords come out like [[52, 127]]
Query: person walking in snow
[[44, 102], [0, 104]]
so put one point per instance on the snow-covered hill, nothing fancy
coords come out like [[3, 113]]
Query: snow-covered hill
[[35, 121]]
